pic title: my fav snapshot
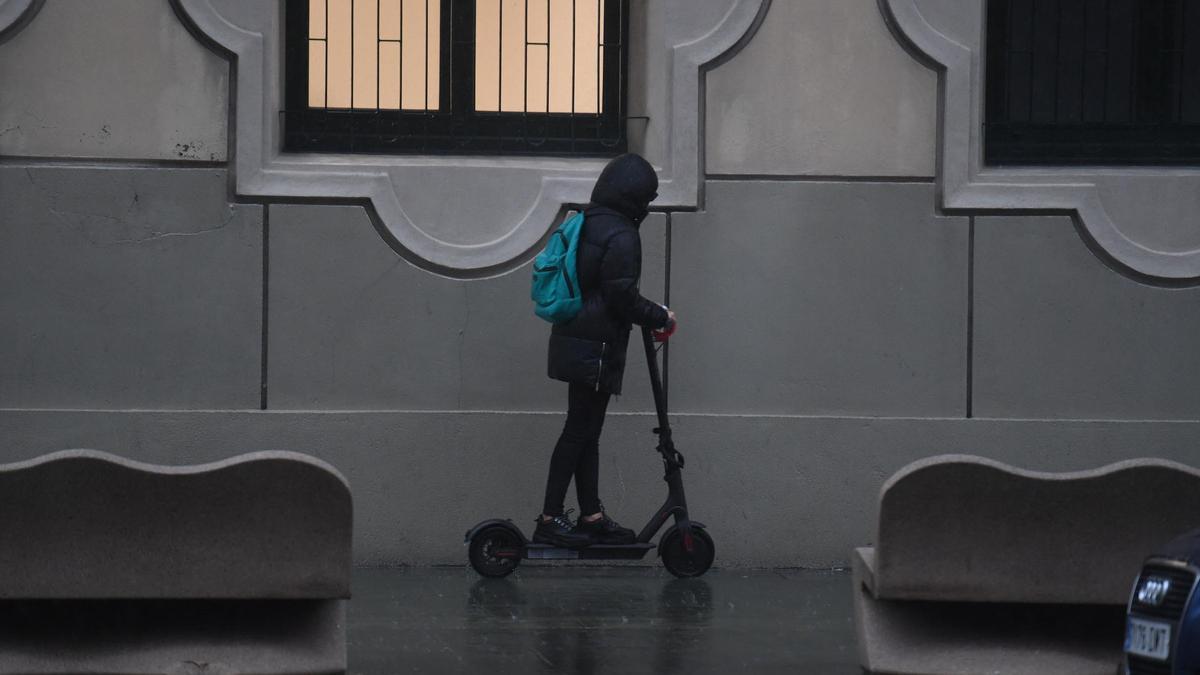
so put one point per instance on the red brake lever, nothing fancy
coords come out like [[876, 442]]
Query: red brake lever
[[664, 334]]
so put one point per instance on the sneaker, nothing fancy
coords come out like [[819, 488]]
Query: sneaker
[[559, 531], [605, 530]]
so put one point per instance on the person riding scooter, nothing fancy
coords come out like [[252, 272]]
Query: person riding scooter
[[588, 351]]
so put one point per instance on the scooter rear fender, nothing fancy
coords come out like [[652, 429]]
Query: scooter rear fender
[[501, 522]]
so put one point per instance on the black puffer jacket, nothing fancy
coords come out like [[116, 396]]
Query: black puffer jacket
[[590, 349]]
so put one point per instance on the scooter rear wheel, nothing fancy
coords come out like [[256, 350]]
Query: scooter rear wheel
[[681, 562], [484, 546]]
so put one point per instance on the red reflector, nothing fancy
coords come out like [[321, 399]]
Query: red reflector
[[687, 543]]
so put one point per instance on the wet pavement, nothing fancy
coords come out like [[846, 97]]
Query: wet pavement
[[576, 619]]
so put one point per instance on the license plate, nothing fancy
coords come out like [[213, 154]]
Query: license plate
[[1148, 639]]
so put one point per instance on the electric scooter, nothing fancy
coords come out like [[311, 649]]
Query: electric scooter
[[497, 546]]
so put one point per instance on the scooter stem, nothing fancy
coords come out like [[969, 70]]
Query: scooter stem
[[660, 404], [666, 445]]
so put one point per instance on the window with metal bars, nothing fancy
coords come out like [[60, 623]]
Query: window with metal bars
[[513, 77], [1092, 82]]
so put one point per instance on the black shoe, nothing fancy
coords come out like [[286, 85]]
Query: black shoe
[[559, 531], [605, 530]]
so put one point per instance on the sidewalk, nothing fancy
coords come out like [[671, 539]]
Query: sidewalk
[[600, 620]]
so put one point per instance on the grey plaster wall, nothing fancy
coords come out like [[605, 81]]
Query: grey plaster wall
[[127, 288], [823, 89], [1058, 334], [420, 479], [823, 345], [118, 78], [820, 298], [831, 330], [352, 326]]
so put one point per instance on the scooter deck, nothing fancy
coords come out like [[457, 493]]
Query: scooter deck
[[593, 552]]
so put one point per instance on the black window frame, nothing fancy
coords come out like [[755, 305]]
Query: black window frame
[[457, 128], [1143, 132]]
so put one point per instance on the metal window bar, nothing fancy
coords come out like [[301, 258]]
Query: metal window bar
[[1107, 82], [425, 58], [453, 124], [499, 59]]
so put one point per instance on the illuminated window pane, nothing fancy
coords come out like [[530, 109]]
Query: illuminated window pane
[[374, 54], [533, 77], [539, 56]]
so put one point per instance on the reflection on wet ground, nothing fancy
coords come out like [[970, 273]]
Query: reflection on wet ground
[[600, 620]]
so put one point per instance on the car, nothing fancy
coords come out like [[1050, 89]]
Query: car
[[1162, 628]]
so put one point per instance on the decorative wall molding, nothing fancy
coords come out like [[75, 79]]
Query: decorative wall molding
[[1143, 217], [15, 15], [467, 216]]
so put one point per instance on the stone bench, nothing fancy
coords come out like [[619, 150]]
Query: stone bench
[[979, 567], [110, 565]]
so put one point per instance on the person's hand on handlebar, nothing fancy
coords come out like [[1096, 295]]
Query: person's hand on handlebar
[[662, 334]]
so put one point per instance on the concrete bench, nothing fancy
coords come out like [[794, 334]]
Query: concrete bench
[[110, 565], [980, 567]]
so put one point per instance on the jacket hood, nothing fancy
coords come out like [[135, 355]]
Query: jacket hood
[[627, 185]]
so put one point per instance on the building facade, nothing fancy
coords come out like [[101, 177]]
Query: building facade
[[859, 285]]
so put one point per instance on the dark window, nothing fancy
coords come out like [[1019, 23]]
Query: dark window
[[1093, 82], [523, 77]]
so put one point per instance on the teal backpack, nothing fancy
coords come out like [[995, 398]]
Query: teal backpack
[[556, 294]]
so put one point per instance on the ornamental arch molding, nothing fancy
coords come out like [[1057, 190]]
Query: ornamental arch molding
[[1145, 218], [15, 14], [472, 216]]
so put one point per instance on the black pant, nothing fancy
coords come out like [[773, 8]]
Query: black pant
[[578, 451]]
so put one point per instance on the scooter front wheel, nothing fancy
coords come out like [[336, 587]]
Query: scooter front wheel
[[681, 562], [495, 551]]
